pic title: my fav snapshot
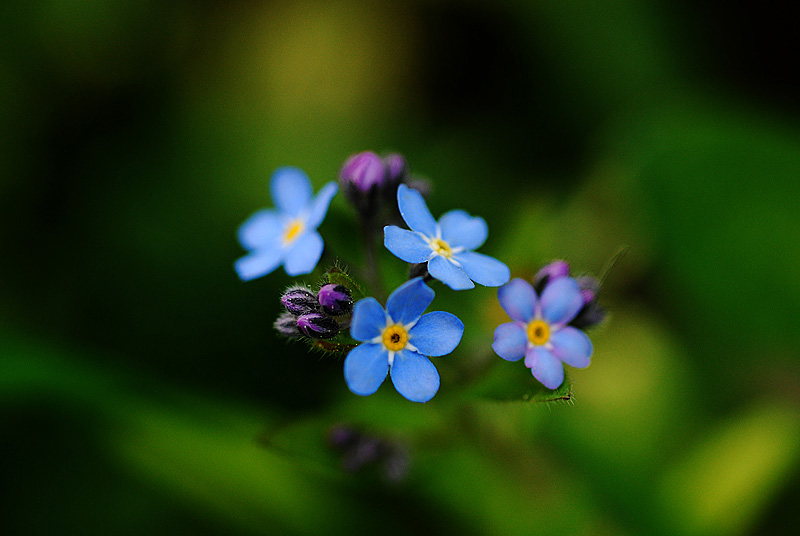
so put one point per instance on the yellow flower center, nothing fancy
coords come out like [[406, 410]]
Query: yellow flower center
[[538, 332], [395, 338], [294, 228], [441, 247]]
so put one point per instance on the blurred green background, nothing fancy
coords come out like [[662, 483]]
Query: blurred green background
[[142, 390]]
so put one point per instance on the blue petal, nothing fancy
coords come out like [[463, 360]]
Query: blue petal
[[257, 263], [449, 274], [262, 230], [459, 229], [484, 269], [518, 299], [320, 204], [407, 245], [510, 341], [369, 320], [304, 254], [365, 368], [572, 346], [409, 301], [414, 211], [437, 333], [561, 300], [414, 376], [545, 366], [291, 190]]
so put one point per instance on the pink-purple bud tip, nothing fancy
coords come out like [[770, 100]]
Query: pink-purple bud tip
[[363, 170], [335, 299], [317, 326]]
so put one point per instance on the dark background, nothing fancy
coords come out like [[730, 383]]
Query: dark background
[[139, 376]]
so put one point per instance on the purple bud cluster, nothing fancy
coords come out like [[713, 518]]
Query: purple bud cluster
[[314, 315], [592, 313], [359, 450]]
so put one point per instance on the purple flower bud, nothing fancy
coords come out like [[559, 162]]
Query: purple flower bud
[[589, 287], [548, 273], [366, 450], [396, 168], [592, 313], [299, 300], [286, 325], [362, 171], [317, 325], [335, 299], [341, 437]]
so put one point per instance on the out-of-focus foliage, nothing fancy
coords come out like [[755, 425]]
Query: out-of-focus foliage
[[142, 389]]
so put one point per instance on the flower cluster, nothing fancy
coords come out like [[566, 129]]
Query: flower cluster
[[548, 316]]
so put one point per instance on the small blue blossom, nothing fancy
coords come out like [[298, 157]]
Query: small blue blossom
[[446, 246], [288, 234], [397, 341], [540, 330]]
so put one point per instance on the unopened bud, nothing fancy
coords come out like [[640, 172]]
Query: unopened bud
[[589, 287], [299, 301], [286, 325], [592, 312], [396, 168], [548, 273], [335, 299], [362, 172], [317, 326]]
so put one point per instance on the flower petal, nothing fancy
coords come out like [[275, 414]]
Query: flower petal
[[484, 269], [414, 376], [407, 245], [320, 204], [365, 368], [258, 263], [262, 230], [510, 341], [561, 300], [304, 254], [291, 190], [518, 299], [368, 321], [449, 274], [414, 211], [459, 229], [409, 301], [437, 333], [545, 366], [572, 346]]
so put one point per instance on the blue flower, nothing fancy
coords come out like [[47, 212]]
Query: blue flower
[[540, 330], [396, 341], [447, 245], [289, 234]]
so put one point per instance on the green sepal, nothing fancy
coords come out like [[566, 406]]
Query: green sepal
[[338, 275]]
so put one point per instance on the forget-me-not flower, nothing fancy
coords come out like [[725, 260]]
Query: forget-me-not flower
[[447, 245], [397, 341], [288, 234], [540, 330]]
